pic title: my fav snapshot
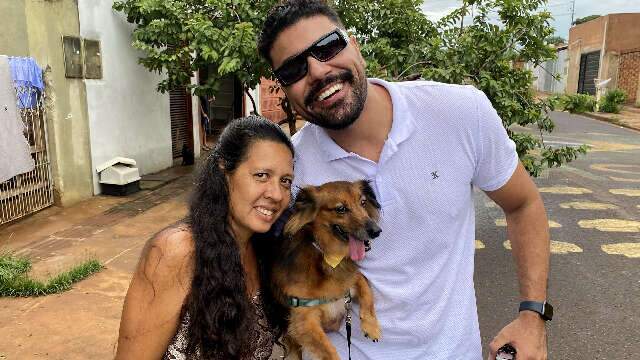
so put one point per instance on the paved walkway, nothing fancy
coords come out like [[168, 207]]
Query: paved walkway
[[83, 323]]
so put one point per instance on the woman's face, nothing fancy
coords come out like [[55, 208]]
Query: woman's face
[[260, 188]]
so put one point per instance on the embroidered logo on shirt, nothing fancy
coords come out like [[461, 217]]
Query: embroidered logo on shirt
[[434, 175]]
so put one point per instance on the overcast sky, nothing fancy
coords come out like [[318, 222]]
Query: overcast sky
[[560, 9]]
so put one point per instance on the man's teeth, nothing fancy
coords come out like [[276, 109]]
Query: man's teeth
[[330, 91], [264, 211]]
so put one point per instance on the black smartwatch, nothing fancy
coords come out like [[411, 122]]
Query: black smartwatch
[[543, 308]]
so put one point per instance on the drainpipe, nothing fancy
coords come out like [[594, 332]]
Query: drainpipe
[[601, 65]]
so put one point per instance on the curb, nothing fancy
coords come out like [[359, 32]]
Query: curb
[[610, 121]]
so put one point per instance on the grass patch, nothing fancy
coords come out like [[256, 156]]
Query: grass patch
[[15, 281]]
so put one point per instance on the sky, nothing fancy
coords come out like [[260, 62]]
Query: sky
[[560, 9]]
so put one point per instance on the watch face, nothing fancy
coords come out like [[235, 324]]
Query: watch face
[[547, 311], [507, 352]]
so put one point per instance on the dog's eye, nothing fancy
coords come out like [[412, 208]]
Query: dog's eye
[[363, 202], [341, 209]]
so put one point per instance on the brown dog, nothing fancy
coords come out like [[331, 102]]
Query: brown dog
[[328, 232]]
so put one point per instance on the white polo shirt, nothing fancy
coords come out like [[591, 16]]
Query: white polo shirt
[[444, 139]]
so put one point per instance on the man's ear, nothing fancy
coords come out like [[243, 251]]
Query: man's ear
[[305, 211]]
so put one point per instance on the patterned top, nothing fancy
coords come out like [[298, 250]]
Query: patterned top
[[262, 338]]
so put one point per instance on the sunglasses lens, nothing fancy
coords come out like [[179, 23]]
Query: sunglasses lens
[[292, 71], [324, 50], [328, 47]]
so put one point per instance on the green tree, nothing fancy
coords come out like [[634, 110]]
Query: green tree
[[582, 20], [178, 37], [486, 50], [553, 40], [397, 40]]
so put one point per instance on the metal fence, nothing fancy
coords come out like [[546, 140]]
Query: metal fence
[[32, 191]]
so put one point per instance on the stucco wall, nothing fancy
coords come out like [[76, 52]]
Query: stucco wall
[[127, 116], [68, 130], [14, 40]]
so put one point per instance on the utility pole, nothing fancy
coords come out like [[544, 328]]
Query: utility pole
[[573, 10]]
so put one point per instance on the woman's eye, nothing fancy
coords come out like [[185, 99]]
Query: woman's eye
[[287, 182], [261, 176]]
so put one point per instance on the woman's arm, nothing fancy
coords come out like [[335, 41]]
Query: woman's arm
[[151, 312]]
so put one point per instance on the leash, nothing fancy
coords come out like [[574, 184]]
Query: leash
[[347, 308]]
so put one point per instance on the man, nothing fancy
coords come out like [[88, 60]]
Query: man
[[423, 146]]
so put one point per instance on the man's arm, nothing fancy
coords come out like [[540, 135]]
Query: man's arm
[[528, 231]]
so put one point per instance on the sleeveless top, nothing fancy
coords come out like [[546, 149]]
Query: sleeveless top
[[262, 337]]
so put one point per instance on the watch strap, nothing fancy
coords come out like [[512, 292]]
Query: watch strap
[[543, 308]]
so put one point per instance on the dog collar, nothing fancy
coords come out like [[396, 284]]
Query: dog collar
[[332, 261], [302, 302]]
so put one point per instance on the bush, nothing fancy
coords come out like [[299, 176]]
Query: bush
[[577, 103], [611, 101]]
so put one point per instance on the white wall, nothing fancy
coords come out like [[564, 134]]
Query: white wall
[[127, 116]]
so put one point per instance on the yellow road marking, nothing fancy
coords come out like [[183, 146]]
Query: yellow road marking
[[627, 192], [565, 190], [479, 244], [630, 250], [613, 225], [503, 223], [557, 247], [624, 179], [586, 205], [617, 168], [608, 146]]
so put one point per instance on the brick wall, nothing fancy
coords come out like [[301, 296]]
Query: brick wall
[[629, 74], [269, 101]]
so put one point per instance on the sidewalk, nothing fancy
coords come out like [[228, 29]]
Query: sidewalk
[[83, 322], [628, 117]]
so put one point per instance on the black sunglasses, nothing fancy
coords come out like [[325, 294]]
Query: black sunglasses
[[323, 50]]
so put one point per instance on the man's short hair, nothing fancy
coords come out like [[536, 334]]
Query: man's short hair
[[288, 13]]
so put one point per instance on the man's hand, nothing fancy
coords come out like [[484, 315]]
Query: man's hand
[[526, 334]]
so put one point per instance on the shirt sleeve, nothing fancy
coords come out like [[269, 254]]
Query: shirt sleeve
[[496, 157]]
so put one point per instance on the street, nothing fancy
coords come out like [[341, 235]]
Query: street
[[593, 205]]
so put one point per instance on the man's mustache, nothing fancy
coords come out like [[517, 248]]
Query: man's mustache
[[344, 76]]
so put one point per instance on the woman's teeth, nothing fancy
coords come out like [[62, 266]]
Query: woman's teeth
[[264, 211], [330, 91]]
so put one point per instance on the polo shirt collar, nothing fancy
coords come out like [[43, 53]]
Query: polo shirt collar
[[401, 128]]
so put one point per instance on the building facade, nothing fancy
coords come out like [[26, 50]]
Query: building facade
[[605, 48]]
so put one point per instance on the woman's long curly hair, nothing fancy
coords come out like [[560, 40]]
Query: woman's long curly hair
[[220, 311]]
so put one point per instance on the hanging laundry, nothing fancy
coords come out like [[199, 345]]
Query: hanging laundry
[[27, 79], [15, 152]]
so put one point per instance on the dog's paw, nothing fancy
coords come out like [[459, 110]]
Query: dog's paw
[[371, 329]]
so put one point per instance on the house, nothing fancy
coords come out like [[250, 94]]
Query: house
[[607, 47], [551, 76], [100, 102]]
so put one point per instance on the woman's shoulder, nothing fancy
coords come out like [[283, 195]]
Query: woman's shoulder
[[170, 249]]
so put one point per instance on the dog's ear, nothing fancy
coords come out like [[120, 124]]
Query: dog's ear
[[305, 210], [373, 206]]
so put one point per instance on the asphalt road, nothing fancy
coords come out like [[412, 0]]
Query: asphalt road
[[593, 205]]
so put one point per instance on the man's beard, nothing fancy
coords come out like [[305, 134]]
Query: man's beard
[[344, 112]]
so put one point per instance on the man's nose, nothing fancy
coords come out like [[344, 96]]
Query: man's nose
[[317, 70]]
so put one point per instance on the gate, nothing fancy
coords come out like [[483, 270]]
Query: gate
[[29, 192], [589, 66]]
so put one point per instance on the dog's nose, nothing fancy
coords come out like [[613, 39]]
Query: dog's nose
[[373, 230]]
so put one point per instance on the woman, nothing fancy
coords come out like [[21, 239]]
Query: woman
[[199, 291]]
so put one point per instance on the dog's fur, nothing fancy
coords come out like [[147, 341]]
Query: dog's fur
[[328, 215]]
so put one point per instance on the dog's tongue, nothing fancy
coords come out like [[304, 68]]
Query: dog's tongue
[[356, 249]]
